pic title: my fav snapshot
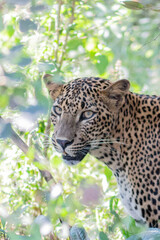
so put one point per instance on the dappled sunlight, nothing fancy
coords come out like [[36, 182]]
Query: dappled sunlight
[[41, 197]]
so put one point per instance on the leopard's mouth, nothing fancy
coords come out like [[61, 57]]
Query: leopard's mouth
[[70, 160]]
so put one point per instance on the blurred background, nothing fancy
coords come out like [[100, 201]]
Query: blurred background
[[68, 39]]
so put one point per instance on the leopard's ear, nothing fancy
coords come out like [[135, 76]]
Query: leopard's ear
[[114, 95], [54, 88]]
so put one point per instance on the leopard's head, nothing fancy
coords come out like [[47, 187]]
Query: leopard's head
[[82, 114]]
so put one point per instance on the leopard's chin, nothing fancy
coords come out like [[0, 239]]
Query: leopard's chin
[[70, 160]]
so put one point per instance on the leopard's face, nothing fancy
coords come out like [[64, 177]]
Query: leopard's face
[[81, 119], [83, 113]]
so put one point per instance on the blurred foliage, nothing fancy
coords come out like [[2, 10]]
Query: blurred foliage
[[69, 39]]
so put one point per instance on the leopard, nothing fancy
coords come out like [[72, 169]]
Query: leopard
[[118, 127]]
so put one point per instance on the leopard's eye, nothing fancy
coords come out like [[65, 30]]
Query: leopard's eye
[[86, 115], [57, 110]]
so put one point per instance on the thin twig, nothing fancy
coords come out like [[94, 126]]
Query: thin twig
[[154, 39], [47, 133], [67, 34], [58, 22], [53, 237]]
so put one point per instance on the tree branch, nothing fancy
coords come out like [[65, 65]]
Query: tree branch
[[47, 133], [24, 147]]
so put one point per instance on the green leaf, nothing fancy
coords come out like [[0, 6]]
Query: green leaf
[[103, 236], [56, 161], [15, 76], [4, 101], [111, 205], [133, 5], [46, 67], [13, 236], [16, 49], [5, 129], [3, 221], [17, 2], [16, 214], [24, 61], [35, 232], [10, 30], [49, 2], [1, 23], [101, 63], [73, 44], [108, 173], [77, 233], [26, 25], [38, 8]]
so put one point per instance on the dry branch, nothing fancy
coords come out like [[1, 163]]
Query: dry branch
[[24, 147], [47, 133]]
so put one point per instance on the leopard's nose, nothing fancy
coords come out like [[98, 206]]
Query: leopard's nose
[[64, 143]]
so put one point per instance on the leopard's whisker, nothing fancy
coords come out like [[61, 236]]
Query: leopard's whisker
[[104, 142], [46, 144], [109, 142], [45, 135], [47, 141], [80, 148]]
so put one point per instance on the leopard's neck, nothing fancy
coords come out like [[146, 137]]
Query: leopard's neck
[[127, 129]]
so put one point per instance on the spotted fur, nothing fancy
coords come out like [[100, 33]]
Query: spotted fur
[[123, 131]]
